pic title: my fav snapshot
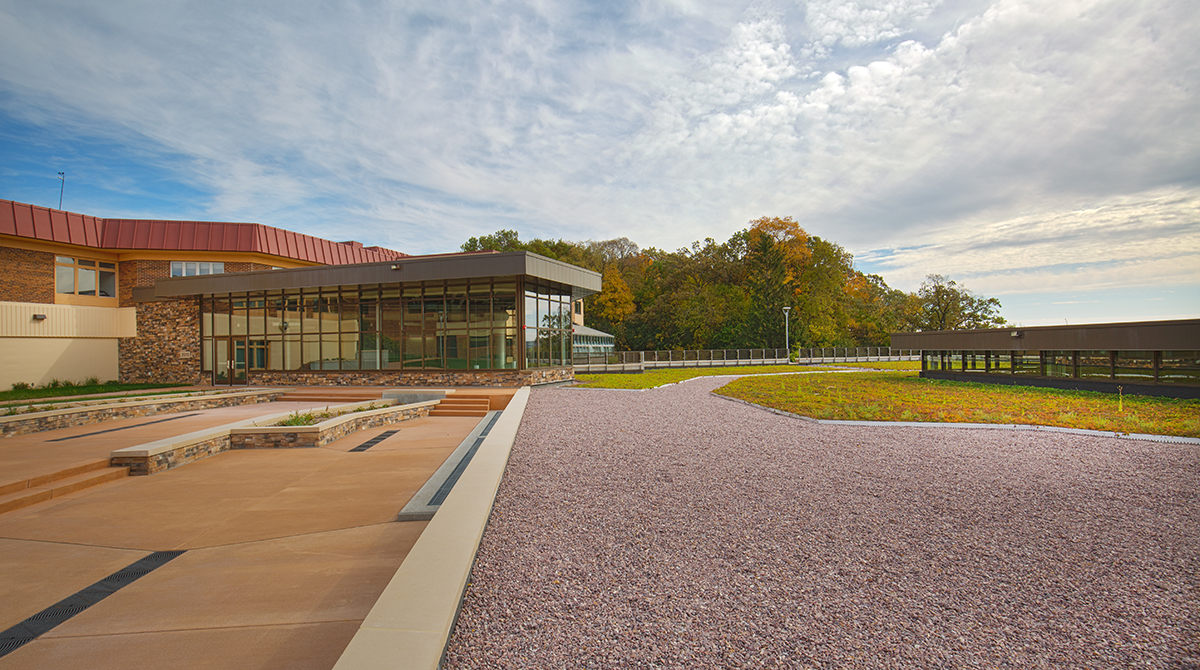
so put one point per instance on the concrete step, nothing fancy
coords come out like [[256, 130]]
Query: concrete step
[[457, 412], [472, 404], [42, 480], [57, 486]]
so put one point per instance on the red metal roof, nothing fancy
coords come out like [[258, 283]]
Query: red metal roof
[[52, 225]]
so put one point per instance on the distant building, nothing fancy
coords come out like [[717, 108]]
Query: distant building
[[1159, 358], [592, 342], [238, 303]]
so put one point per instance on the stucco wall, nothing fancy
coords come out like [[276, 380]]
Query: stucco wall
[[37, 360]]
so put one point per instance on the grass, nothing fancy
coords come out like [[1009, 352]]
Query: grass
[[652, 378], [25, 395], [903, 396]]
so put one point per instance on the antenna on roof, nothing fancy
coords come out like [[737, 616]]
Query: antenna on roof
[[62, 176]]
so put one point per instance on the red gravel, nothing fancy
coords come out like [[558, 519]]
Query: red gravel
[[673, 528]]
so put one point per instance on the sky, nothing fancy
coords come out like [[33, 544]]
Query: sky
[[1045, 152]]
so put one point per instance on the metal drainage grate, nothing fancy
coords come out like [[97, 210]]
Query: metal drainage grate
[[113, 430], [451, 480], [375, 440], [30, 629]]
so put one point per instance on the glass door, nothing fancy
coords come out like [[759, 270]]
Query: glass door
[[230, 361]]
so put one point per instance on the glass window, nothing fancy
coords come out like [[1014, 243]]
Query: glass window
[[1135, 366], [1027, 363], [1179, 367], [220, 317], [531, 319], [64, 279], [84, 276], [195, 268], [1059, 363], [1094, 365]]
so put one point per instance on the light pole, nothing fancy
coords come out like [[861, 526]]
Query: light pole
[[787, 342], [62, 176]]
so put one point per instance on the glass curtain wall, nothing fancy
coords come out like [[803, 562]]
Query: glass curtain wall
[[547, 326], [455, 325]]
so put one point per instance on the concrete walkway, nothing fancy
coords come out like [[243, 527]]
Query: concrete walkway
[[286, 551]]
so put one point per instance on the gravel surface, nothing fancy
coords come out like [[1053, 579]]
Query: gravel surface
[[673, 528]]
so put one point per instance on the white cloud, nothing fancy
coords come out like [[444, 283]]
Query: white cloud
[[977, 137]]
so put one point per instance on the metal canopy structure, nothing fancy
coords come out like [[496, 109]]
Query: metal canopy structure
[[409, 269], [1132, 336]]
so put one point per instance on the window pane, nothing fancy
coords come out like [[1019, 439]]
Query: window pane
[[1094, 365], [218, 268], [87, 282], [87, 263], [530, 310], [65, 259], [1059, 364], [531, 357], [1179, 367], [176, 268], [1135, 366], [220, 317], [64, 279], [310, 352], [504, 311], [189, 269], [507, 351], [480, 350], [108, 266], [108, 284], [1027, 362]]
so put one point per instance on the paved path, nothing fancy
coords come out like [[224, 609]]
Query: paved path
[[286, 549], [672, 528]]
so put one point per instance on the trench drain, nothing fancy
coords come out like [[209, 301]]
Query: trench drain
[[427, 500], [113, 430], [43, 622], [375, 440]]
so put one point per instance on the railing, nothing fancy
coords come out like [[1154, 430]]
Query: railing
[[639, 361]]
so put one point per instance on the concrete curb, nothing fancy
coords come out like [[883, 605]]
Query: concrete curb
[[984, 426], [411, 622]]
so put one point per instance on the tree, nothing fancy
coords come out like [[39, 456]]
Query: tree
[[945, 305], [501, 240]]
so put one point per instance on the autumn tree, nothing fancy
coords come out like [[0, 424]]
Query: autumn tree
[[945, 305]]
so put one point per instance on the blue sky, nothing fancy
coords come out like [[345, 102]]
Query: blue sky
[[1047, 153]]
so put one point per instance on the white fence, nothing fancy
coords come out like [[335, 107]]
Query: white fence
[[639, 361]]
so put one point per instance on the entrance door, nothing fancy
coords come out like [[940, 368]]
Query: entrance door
[[230, 359]]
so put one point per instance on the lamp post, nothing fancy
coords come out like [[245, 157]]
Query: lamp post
[[787, 342]]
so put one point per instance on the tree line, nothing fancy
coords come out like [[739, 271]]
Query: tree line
[[731, 295]]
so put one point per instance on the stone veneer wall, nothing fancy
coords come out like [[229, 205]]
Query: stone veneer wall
[[167, 348], [143, 465], [19, 424], [28, 276], [257, 438], [436, 378]]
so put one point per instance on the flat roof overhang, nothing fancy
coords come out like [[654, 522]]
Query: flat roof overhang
[[1182, 335], [409, 269]]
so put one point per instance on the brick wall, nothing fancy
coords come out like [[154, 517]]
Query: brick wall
[[167, 348], [28, 276], [145, 272]]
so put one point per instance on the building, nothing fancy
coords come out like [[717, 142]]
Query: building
[[592, 342], [238, 303], [1160, 358]]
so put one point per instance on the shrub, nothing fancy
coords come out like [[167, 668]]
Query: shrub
[[92, 381], [21, 386]]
